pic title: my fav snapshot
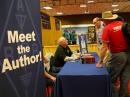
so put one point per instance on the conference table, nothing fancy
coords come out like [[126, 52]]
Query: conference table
[[83, 80]]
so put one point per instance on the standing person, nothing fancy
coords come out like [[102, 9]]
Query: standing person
[[73, 37], [119, 62], [99, 30], [67, 35]]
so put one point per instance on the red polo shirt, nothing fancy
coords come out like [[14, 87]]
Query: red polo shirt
[[113, 34]]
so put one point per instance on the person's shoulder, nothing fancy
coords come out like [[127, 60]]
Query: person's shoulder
[[117, 22], [106, 28], [67, 46], [111, 24], [59, 48]]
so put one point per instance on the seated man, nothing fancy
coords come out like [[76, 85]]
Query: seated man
[[62, 54]]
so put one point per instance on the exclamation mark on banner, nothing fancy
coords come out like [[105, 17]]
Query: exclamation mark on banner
[[40, 54]]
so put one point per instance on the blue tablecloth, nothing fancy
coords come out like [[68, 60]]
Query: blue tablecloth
[[82, 80]]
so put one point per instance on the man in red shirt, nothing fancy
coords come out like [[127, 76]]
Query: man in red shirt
[[119, 63]]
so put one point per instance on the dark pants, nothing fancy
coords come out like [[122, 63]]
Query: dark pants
[[51, 84], [119, 67]]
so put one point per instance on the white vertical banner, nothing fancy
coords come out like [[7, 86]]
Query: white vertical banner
[[83, 44]]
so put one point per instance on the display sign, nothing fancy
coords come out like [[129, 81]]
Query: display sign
[[21, 65], [83, 44], [91, 35]]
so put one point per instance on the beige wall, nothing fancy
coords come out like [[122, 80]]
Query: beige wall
[[50, 36]]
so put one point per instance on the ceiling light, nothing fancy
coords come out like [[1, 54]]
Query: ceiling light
[[86, 12], [47, 7], [115, 9], [90, 1], [59, 13], [114, 5], [83, 5]]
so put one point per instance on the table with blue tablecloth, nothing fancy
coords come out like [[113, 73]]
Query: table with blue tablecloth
[[83, 80]]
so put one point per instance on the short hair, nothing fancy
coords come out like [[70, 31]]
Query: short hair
[[60, 40], [96, 19]]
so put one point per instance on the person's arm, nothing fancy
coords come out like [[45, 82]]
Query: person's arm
[[49, 76], [71, 56], [45, 60], [102, 54]]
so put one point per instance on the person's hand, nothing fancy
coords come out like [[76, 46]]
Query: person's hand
[[78, 55], [46, 60], [68, 58], [99, 65], [53, 78]]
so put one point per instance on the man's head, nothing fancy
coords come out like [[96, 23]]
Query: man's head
[[97, 22], [108, 17], [63, 42]]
